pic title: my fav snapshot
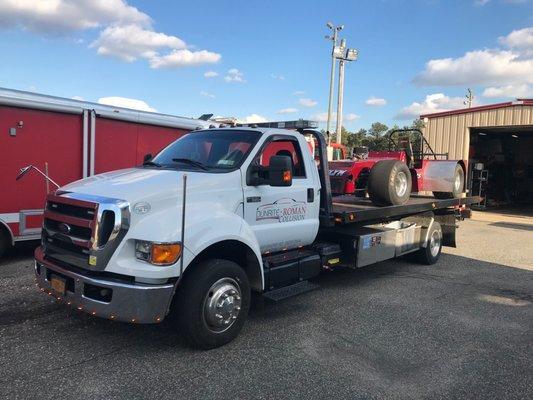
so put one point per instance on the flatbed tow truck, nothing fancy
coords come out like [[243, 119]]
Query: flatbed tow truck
[[215, 216]]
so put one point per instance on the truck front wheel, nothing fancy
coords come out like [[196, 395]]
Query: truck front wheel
[[212, 303]]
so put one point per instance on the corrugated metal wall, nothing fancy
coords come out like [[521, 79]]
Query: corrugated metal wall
[[450, 133]]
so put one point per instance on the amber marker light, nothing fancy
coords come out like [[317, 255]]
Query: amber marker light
[[287, 176], [165, 254]]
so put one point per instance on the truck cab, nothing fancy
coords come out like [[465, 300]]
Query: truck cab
[[115, 244]]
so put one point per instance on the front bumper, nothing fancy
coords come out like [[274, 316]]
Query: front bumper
[[129, 302]]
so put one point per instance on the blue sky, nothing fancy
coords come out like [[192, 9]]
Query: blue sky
[[270, 56]]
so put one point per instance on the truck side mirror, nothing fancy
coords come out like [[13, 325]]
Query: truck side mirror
[[147, 157], [280, 171]]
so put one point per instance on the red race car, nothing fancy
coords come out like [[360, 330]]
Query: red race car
[[389, 177]]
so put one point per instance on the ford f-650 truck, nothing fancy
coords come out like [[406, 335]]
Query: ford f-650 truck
[[219, 214]]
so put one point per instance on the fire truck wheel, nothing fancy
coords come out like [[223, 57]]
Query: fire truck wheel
[[458, 185], [389, 183], [212, 303], [430, 254]]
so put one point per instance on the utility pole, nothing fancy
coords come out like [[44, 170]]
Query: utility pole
[[333, 38], [343, 55], [469, 98], [340, 96]]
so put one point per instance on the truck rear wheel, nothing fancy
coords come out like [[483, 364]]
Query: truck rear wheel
[[458, 185], [212, 304], [430, 254], [389, 183]]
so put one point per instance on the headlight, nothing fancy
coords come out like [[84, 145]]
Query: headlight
[[157, 253]]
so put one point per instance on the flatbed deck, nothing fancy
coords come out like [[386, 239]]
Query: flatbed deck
[[352, 210]]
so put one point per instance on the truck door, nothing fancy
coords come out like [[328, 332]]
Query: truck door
[[283, 217]]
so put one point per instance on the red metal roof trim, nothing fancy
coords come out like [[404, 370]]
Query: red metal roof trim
[[517, 102]]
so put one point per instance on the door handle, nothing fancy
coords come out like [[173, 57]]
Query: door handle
[[310, 195]]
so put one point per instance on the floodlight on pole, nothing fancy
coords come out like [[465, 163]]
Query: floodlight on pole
[[347, 55]]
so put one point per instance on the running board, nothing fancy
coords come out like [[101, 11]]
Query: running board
[[290, 291]]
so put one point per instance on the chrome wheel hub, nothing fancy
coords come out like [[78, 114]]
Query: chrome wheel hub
[[400, 184], [222, 305], [457, 183], [434, 243]]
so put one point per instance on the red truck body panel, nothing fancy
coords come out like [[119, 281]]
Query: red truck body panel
[[55, 134]]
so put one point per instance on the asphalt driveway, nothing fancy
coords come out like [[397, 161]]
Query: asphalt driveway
[[460, 329]]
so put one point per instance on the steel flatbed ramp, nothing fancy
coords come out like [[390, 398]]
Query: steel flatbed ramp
[[350, 209]]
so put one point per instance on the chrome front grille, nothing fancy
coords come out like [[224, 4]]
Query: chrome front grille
[[83, 230]]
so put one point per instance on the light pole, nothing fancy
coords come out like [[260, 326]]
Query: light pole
[[340, 96], [346, 55], [333, 38]]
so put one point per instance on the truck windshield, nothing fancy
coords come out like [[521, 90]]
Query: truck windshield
[[214, 149]]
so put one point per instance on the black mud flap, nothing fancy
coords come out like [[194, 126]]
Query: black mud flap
[[448, 225]]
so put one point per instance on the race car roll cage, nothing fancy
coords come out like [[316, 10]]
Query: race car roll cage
[[394, 146]]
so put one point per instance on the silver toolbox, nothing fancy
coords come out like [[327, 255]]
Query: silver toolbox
[[382, 242]]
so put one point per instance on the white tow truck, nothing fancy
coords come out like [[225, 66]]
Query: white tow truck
[[219, 214]]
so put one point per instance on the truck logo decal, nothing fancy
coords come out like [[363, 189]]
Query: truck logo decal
[[64, 228], [283, 210]]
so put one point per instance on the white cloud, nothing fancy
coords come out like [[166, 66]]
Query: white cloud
[[277, 77], [307, 102], [234, 75], [351, 117], [298, 93], [512, 91], [481, 2], [480, 67], [376, 101], [79, 98], [485, 67], [433, 103], [60, 16], [207, 94], [184, 58], [289, 110], [254, 118], [521, 39], [128, 42], [323, 117], [210, 74], [126, 103], [127, 32]]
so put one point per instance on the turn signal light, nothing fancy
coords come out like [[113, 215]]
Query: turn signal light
[[164, 254], [286, 176]]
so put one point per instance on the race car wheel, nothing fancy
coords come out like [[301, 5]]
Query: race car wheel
[[458, 185], [389, 183]]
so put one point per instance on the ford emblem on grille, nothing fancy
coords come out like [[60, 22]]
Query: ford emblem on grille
[[64, 228]]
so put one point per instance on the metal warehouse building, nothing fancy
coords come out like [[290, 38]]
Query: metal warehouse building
[[497, 141]]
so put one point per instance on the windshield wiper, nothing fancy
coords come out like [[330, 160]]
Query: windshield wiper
[[191, 162], [152, 163]]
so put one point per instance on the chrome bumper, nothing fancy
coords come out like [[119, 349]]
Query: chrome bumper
[[136, 303]]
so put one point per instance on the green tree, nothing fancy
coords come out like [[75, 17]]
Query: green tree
[[377, 140]]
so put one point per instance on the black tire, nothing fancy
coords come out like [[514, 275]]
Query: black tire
[[5, 243], [194, 295], [383, 183], [458, 185], [430, 254]]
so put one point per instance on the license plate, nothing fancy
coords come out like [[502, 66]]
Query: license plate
[[58, 284]]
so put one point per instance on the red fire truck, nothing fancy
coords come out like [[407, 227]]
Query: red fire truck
[[69, 140]]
